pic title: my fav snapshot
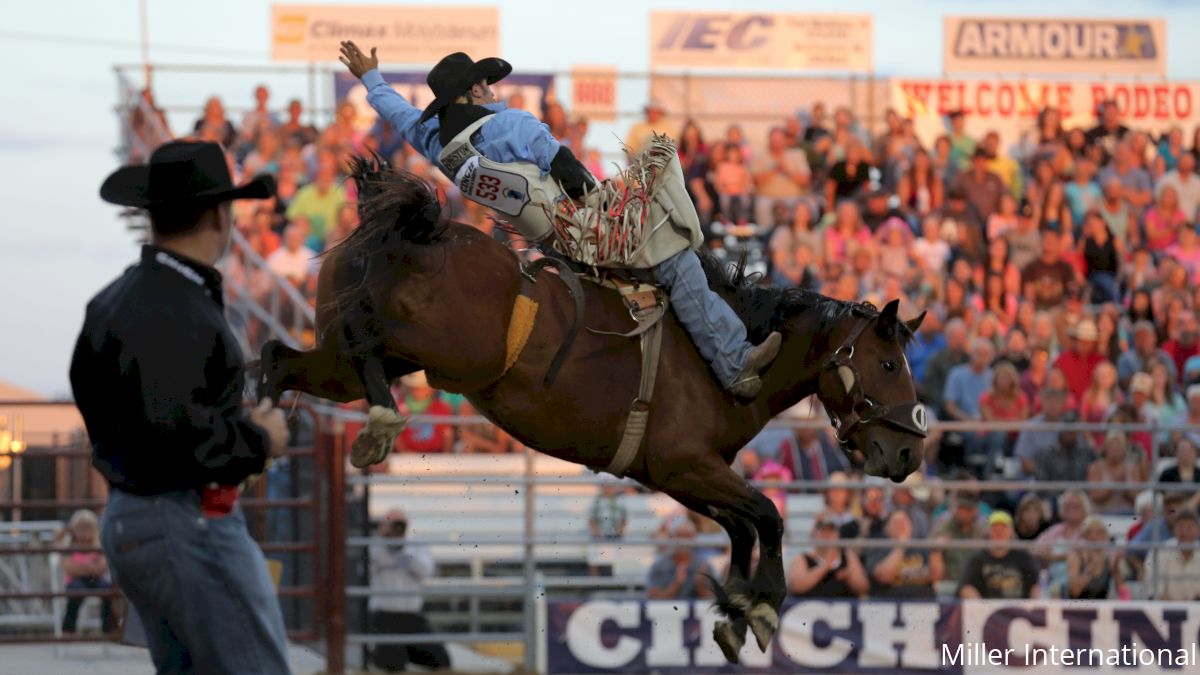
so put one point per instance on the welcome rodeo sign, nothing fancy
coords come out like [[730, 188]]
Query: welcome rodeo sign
[[1026, 45]]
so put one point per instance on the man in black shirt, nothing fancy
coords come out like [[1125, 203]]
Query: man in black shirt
[[157, 375], [1000, 573]]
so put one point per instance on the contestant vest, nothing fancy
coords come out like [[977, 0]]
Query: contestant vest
[[516, 190]]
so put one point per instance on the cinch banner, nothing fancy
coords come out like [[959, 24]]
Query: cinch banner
[[533, 88], [675, 637], [768, 41], [403, 34], [1011, 107], [1020, 45]]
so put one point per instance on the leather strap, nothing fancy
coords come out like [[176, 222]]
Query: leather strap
[[639, 412]]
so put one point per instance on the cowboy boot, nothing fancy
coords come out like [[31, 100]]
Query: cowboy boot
[[747, 384]]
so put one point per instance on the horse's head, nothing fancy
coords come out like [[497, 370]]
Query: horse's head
[[867, 388]]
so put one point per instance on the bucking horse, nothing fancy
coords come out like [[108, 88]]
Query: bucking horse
[[410, 291]]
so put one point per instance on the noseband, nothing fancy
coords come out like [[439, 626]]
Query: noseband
[[853, 410]]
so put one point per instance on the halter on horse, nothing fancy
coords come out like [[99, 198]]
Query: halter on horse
[[407, 291]]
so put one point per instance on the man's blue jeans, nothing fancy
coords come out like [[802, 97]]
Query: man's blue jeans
[[715, 329], [200, 585]]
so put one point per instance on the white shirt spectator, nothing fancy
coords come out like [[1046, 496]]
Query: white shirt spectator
[[399, 567], [294, 265]]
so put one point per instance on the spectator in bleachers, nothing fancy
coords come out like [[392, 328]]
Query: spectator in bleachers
[[963, 226], [655, 122], [1141, 357], [1046, 279], [1002, 166], [293, 128], [1032, 517], [940, 364], [1068, 459], [878, 210], [259, 121], [895, 257], [1184, 470], [784, 244], [733, 184], [1186, 184], [608, 517], [293, 260], [1164, 220], [921, 187], [694, 156], [1073, 508], [781, 176], [1118, 463], [1109, 130], [320, 200], [678, 574], [1000, 572], [1176, 573], [816, 128], [839, 501], [1004, 220], [912, 496], [480, 438], [1079, 361], [1100, 397], [846, 232], [1092, 573], [1117, 214], [1033, 443], [264, 158], [965, 386], [849, 175], [85, 570], [903, 571], [1184, 342], [870, 524], [1134, 183], [1003, 401], [1156, 530], [213, 125], [962, 524], [830, 570], [420, 399], [1083, 192], [400, 565], [962, 146], [1102, 254]]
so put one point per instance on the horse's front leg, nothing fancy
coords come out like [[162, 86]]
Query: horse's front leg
[[768, 588]]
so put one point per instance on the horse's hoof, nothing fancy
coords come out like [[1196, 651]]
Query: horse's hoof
[[377, 438], [764, 622], [728, 640]]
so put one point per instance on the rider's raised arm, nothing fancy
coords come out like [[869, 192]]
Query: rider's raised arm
[[401, 114]]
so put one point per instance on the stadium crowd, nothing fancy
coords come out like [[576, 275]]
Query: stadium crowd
[[1059, 272]]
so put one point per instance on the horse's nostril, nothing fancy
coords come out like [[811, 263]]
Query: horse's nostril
[[905, 455]]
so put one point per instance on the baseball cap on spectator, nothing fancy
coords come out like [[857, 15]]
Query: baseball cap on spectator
[[966, 498], [1141, 382], [1086, 331], [914, 483], [1000, 517], [980, 153]]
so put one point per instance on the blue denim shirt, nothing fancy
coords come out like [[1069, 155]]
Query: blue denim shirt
[[509, 136]]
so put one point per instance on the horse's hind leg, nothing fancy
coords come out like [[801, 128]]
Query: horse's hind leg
[[324, 372], [384, 422]]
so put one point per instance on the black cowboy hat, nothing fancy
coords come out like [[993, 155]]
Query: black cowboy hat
[[455, 74], [179, 173]]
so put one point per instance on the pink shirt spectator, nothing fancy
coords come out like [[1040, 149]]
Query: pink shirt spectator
[[836, 243]]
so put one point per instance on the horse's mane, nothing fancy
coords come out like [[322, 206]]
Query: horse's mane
[[397, 210], [765, 308]]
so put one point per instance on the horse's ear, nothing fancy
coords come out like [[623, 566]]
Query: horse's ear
[[886, 325], [914, 324]]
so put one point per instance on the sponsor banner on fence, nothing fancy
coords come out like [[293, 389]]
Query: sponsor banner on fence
[[594, 92], [403, 33], [767, 41], [532, 89], [1011, 107], [668, 636], [1045, 45]]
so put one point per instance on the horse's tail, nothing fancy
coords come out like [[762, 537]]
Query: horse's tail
[[397, 210]]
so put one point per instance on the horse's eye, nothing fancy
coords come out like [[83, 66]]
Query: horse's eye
[[889, 366]]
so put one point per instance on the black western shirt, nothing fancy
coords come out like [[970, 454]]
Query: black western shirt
[[157, 375]]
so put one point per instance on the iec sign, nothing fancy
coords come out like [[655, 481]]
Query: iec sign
[[1016, 45]]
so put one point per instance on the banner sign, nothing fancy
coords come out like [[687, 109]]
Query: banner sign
[[789, 42], [1041, 45], [669, 636], [594, 92], [531, 89], [403, 33], [1011, 107]]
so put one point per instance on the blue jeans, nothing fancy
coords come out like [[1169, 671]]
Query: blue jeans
[[1104, 287], [715, 329], [200, 585]]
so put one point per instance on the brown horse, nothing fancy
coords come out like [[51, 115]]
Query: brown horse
[[407, 291]]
